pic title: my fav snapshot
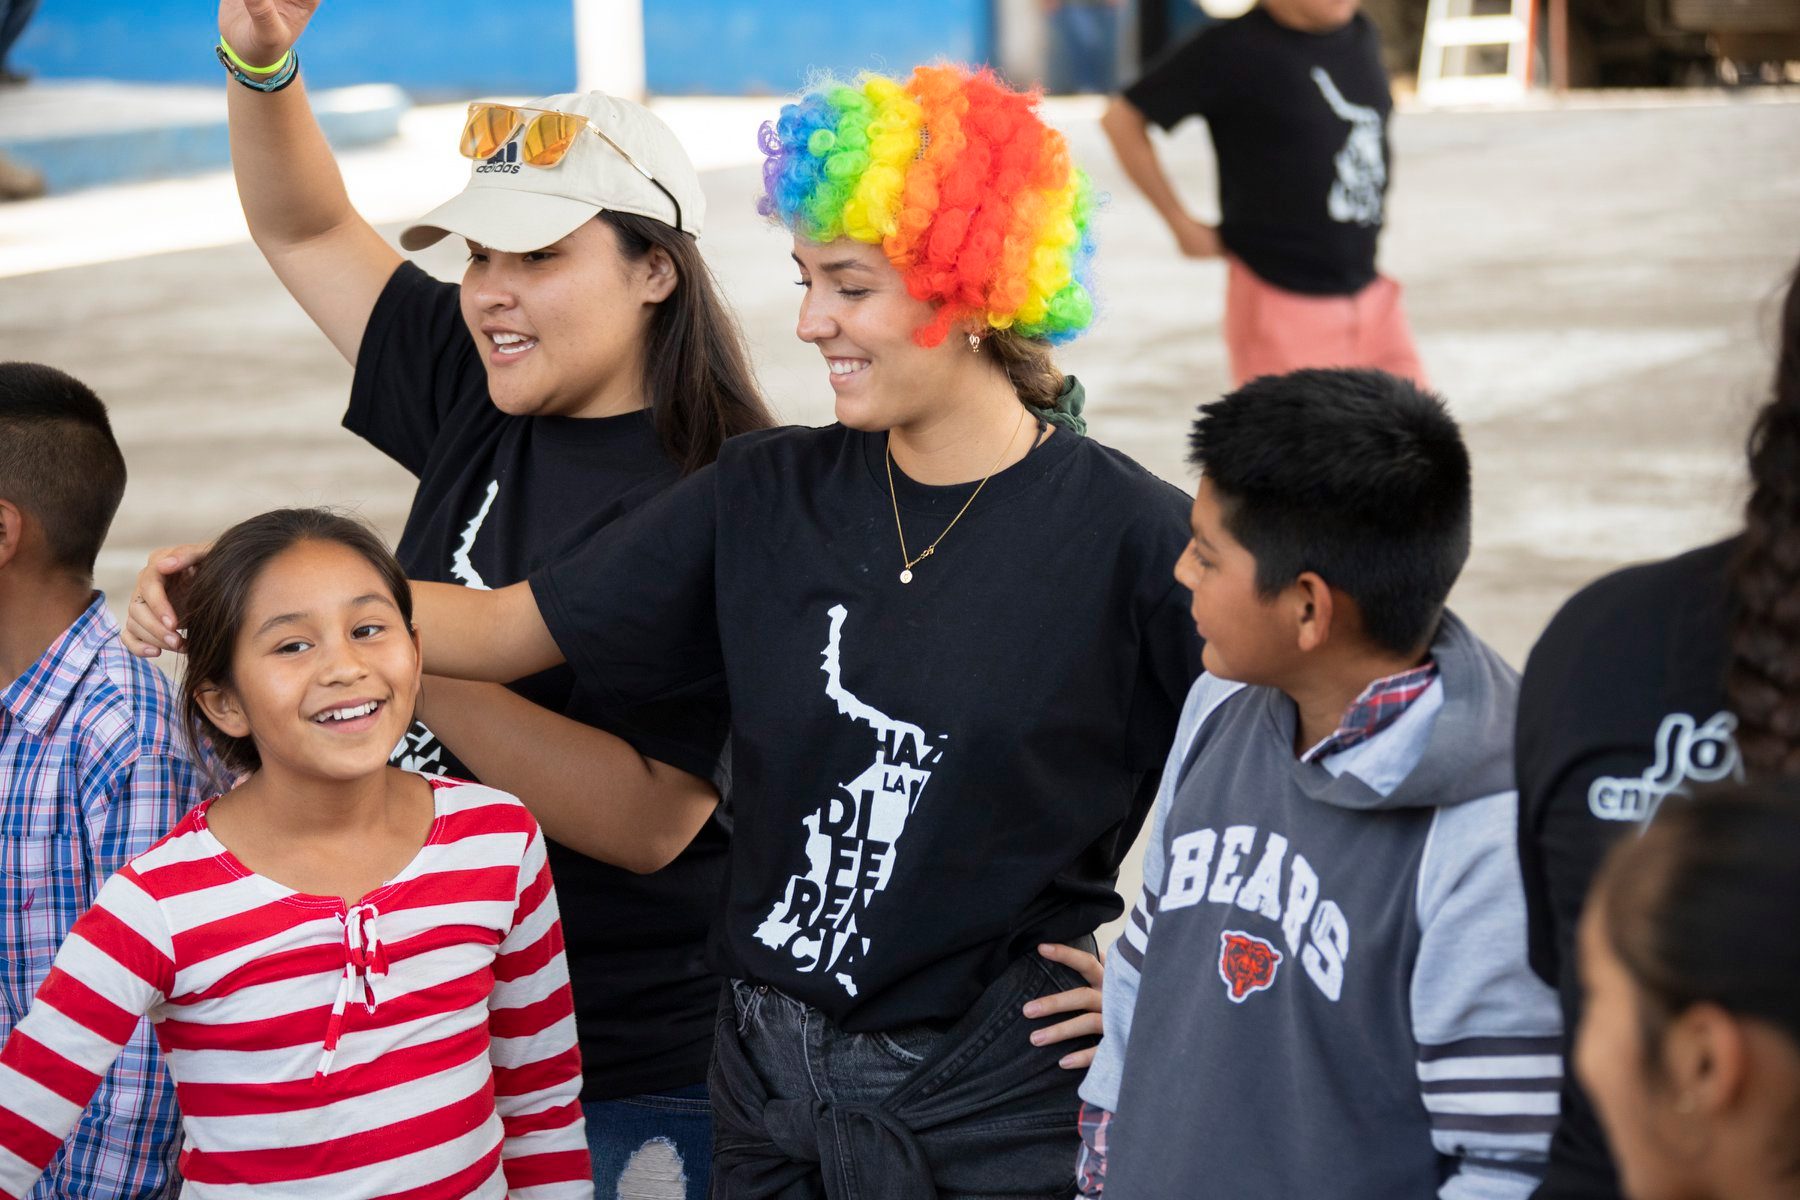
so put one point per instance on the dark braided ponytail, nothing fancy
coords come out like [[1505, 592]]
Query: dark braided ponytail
[[1762, 685]]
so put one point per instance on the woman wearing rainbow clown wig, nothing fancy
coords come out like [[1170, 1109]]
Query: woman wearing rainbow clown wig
[[967, 192], [953, 648]]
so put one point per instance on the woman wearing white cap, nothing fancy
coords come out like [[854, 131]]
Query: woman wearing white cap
[[583, 366]]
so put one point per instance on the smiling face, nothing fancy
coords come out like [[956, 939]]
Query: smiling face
[[324, 672], [562, 329], [1247, 638], [856, 310]]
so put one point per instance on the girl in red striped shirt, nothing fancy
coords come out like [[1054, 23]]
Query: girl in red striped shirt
[[356, 975]]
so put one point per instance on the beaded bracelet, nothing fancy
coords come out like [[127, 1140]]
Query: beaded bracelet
[[285, 70]]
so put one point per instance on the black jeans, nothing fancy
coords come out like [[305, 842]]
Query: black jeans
[[803, 1110]]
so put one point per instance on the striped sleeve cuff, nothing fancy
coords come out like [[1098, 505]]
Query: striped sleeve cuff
[[1491, 1096], [1136, 939]]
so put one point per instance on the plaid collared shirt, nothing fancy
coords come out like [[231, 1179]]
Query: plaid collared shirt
[[1095, 1126], [1379, 706], [91, 774]]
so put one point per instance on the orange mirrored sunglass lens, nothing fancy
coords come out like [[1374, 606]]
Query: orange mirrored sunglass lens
[[548, 138], [490, 127]]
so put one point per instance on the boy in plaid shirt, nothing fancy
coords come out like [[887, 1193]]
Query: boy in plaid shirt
[[92, 771]]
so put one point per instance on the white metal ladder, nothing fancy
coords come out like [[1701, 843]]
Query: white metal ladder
[[1457, 35]]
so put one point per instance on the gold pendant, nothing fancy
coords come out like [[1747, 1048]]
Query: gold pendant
[[906, 575]]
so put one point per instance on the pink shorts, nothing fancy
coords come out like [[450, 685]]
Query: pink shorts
[[1271, 331]]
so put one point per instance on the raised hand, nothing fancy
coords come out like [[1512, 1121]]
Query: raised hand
[[261, 31], [152, 622]]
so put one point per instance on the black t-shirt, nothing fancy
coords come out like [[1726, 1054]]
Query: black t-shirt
[[928, 778], [1299, 126], [499, 496], [1622, 704]]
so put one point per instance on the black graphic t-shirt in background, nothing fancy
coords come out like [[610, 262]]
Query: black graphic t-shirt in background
[[1299, 127], [1622, 705], [499, 496], [928, 778]]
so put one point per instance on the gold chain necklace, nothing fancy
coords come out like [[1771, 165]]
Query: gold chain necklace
[[906, 574]]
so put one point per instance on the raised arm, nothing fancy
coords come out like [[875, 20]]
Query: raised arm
[[1129, 132], [589, 789], [329, 258]]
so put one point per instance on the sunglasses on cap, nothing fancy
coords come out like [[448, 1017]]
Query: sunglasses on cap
[[545, 136]]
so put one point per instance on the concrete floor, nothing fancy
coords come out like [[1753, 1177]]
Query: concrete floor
[[1593, 289]]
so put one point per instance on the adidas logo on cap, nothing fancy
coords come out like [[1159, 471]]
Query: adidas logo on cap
[[505, 159]]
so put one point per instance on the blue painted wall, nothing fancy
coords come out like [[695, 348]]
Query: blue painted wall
[[458, 47], [429, 46], [772, 46]]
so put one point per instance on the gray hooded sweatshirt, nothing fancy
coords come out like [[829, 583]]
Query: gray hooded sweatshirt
[[1323, 989]]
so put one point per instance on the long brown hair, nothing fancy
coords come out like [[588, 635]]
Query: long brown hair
[[696, 371], [220, 589], [1762, 684]]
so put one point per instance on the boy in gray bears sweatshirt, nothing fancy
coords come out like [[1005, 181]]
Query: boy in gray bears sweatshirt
[[1323, 990]]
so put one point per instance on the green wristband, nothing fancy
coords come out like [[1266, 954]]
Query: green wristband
[[241, 65]]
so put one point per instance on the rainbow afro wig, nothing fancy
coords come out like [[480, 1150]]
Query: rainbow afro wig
[[970, 195]]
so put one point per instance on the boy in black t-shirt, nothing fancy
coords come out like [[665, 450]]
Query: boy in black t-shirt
[[1297, 101]]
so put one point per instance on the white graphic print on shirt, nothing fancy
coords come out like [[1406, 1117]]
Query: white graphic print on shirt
[[1686, 750], [1207, 865], [461, 565], [419, 749], [1361, 165], [851, 839]]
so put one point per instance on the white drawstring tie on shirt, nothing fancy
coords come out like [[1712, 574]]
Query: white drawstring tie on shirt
[[364, 960]]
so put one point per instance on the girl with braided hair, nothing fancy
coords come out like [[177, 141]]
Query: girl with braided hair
[[1649, 682], [953, 647]]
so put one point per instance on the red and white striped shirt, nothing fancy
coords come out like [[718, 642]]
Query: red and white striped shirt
[[419, 1043]]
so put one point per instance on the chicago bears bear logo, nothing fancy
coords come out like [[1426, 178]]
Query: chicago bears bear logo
[[1246, 964]]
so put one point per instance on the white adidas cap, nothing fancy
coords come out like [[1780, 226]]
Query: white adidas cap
[[515, 208]]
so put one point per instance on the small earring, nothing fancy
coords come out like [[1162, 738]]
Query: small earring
[[975, 343]]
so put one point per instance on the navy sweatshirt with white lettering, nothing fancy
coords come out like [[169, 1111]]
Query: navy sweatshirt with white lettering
[[1323, 989]]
